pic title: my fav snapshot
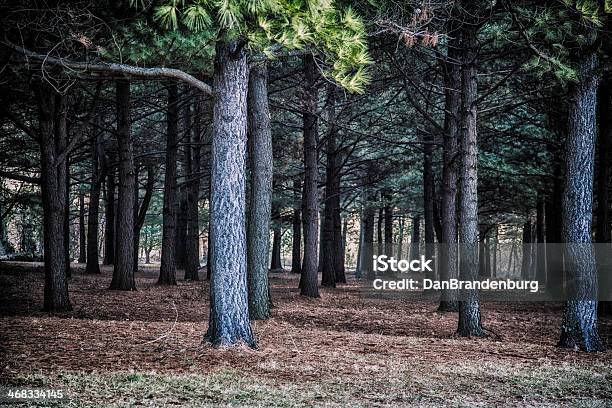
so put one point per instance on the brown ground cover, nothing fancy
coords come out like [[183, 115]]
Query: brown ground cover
[[144, 348]]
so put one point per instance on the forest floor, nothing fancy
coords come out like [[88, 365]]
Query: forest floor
[[144, 348]]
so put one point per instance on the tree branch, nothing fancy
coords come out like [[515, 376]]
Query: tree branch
[[116, 68]]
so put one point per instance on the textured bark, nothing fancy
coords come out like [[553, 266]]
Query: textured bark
[[296, 224], [469, 305], [54, 188], [167, 270], [448, 206], [310, 204], [261, 192], [579, 327], [123, 272], [229, 312], [109, 215], [93, 214], [82, 232]]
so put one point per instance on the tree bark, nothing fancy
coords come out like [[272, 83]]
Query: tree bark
[[192, 241], [469, 305], [94, 208], [167, 270], [123, 272], [276, 264], [109, 216], [310, 204], [296, 224], [54, 187], [82, 232], [450, 156], [579, 327], [261, 192], [415, 240], [428, 201], [229, 311]]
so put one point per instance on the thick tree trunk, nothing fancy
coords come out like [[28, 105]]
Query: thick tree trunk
[[109, 216], [167, 270], [579, 327], [229, 310], [469, 305], [450, 156], [261, 192], [310, 204], [54, 187], [94, 209], [82, 232], [296, 224], [123, 272]]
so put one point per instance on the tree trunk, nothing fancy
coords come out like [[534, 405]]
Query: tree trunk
[[123, 272], [62, 129], [181, 229], [368, 239], [109, 216], [94, 208], [310, 203], [140, 212], [54, 186], [540, 248], [469, 305], [388, 208], [450, 156], [296, 224], [416, 238], [579, 327], [276, 264], [229, 309], [379, 230], [261, 192], [167, 270], [82, 232], [428, 202], [192, 242]]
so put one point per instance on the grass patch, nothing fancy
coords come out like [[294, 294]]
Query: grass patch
[[469, 384]]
